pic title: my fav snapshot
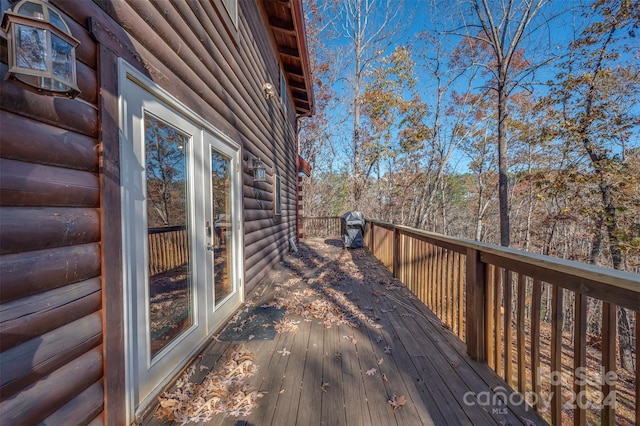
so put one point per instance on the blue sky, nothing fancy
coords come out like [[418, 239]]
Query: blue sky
[[555, 30]]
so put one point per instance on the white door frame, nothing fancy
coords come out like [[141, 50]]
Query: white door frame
[[169, 360]]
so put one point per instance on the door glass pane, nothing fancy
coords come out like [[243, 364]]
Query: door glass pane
[[222, 241], [170, 277]]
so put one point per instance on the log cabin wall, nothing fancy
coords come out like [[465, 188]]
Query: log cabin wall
[[60, 266], [51, 290]]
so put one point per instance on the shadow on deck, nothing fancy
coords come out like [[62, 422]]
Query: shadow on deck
[[360, 350]]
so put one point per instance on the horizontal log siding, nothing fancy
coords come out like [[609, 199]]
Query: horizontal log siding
[[227, 72], [218, 73], [50, 285]]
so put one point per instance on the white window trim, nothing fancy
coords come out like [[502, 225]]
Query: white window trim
[[232, 9]]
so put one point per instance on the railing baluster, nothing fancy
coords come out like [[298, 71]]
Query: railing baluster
[[609, 333], [491, 308], [522, 366], [508, 329], [439, 281], [536, 304], [580, 358], [431, 269], [498, 318], [557, 316], [637, 368], [447, 288], [461, 301], [450, 288], [455, 295]]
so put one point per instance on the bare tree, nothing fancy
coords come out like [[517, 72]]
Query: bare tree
[[501, 29], [370, 27]]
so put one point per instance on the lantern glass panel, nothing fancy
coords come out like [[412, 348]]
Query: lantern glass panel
[[57, 21], [32, 10], [61, 58], [260, 174], [31, 47]]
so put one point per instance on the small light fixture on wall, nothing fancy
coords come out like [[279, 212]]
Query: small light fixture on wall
[[269, 91], [259, 170], [42, 51]]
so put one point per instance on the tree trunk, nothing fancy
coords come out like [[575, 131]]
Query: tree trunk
[[596, 242], [624, 340], [503, 167]]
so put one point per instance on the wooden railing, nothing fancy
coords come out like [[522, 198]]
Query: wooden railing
[[168, 248], [324, 226], [526, 316]]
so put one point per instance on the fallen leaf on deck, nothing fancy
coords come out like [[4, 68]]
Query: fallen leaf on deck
[[378, 339], [351, 339], [384, 377], [387, 349], [324, 386], [397, 402], [223, 391], [380, 361], [287, 326], [371, 372], [284, 352]]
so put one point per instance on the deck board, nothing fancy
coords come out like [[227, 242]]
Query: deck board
[[333, 408], [323, 380]]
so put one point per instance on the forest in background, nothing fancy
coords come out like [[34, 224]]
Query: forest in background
[[509, 122]]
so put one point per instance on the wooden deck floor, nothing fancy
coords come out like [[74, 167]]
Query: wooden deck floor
[[321, 375]]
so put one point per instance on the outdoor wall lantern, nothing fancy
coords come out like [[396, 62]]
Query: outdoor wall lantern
[[42, 51], [269, 91], [259, 170]]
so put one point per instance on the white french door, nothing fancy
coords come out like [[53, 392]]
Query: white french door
[[182, 253]]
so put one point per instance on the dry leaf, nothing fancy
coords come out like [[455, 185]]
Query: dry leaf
[[222, 391], [384, 377], [351, 339], [387, 349], [324, 386], [397, 402], [284, 352], [371, 372]]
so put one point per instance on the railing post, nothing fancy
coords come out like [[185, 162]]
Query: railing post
[[476, 293], [396, 253]]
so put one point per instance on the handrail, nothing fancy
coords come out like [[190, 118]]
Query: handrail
[[492, 298], [166, 229]]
